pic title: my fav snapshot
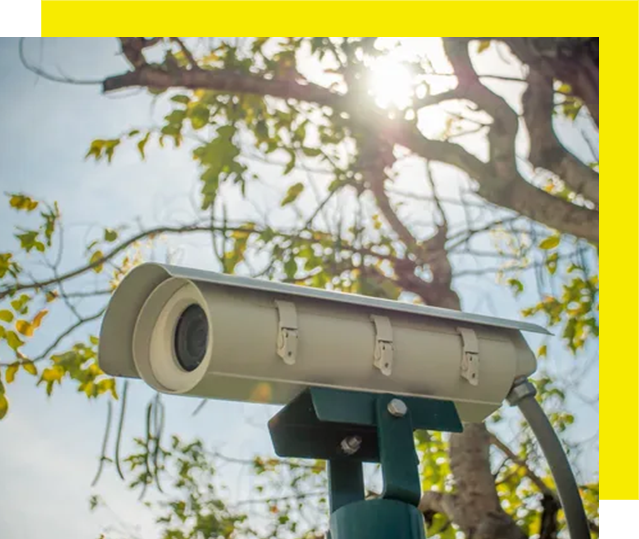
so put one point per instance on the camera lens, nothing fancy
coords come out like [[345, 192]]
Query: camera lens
[[191, 337]]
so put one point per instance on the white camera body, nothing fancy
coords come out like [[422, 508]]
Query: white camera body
[[266, 342]]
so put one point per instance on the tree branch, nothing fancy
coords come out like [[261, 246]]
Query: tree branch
[[108, 256], [537, 481], [436, 99], [186, 52], [499, 181], [546, 151], [222, 80], [63, 335]]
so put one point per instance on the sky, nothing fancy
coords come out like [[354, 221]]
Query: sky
[[49, 448]]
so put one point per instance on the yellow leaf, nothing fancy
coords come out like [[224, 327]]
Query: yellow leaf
[[95, 258], [52, 295], [38, 318], [23, 202], [24, 328], [10, 374], [107, 385], [4, 405], [549, 243], [483, 45], [6, 316], [52, 375], [30, 367]]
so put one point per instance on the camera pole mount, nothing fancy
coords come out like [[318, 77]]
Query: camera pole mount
[[348, 428]]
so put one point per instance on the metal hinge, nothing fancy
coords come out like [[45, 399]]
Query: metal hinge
[[383, 355], [470, 356], [287, 332]]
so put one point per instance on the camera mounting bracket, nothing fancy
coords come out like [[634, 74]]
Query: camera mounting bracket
[[348, 428]]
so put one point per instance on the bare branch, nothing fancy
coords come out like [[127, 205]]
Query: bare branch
[[105, 441], [49, 76]]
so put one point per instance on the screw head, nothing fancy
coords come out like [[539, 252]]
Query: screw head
[[351, 444], [397, 408]]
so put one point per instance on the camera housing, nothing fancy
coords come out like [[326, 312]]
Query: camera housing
[[191, 332]]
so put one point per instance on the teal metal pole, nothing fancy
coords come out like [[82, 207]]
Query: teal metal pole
[[377, 519], [395, 515]]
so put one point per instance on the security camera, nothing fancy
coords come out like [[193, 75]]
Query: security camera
[[206, 334]]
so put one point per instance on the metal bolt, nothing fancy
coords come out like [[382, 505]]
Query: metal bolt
[[351, 444], [397, 408]]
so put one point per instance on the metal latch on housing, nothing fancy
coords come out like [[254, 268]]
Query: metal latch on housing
[[287, 333], [470, 356], [383, 355]]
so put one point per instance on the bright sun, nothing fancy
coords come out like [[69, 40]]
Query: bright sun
[[391, 83]]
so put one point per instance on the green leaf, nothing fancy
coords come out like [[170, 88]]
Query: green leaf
[[571, 107], [142, 145], [4, 405], [183, 99], [175, 118], [102, 148], [29, 241], [336, 184], [22, 202], [516, 285], [20, 305], [291, 164], [290, 267], [6, 316], [109, 148], [50, 219], [95, 257], [311, 152], [294, 191], [13, 340], [551, 263], [11, 371], [110, 235], [95, 149], [8, 266], [483, 45], [549, 243], [199, 116]]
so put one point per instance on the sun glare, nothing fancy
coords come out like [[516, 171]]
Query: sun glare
[[391, 83]]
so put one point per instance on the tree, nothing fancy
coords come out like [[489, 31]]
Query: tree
[[303, 107]]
